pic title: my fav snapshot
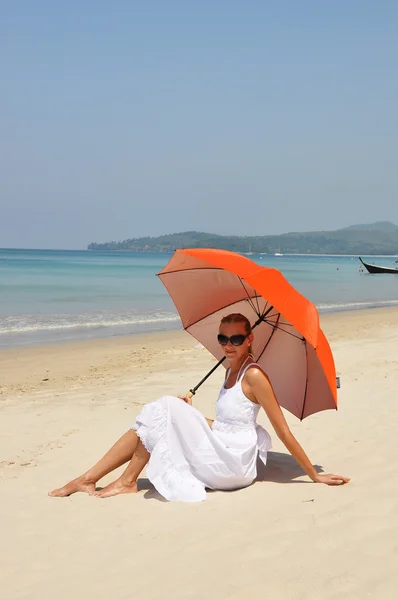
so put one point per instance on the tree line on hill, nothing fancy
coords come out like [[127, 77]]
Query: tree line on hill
[[376, 238]]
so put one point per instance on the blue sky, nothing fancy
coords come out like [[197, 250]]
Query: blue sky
[[120, 119]]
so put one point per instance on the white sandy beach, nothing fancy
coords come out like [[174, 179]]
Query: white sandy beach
[[283, 538]]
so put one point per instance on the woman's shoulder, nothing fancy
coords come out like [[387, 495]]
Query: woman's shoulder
[[254, 374]]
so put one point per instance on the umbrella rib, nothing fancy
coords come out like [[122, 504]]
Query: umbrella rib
[[213, 313], [258, 305], [270, 316], [268, 320], [261, 318], [278, 325], [160, 274], [269, 339], [306, 383], [249, 298], [276, 315], [298, 337]]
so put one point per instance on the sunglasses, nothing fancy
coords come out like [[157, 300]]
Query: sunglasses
[[236, 340]]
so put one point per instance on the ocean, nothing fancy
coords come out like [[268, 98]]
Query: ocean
[[62, 295]]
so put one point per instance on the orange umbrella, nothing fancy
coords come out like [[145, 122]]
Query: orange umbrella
[[206, 285]]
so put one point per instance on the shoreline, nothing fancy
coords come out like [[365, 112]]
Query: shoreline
[[94, 362], [172, 326], [136, 251]]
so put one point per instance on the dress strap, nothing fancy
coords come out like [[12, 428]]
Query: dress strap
[[245, 369], [241, 367], [228, 371]]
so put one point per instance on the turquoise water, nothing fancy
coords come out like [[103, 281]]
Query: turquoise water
[[55, 295]]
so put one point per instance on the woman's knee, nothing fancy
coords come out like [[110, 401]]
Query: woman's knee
[[166, 401]]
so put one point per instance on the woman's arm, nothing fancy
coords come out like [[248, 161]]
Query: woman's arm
[[264, 394]]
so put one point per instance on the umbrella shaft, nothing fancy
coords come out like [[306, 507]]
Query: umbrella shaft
[[193, 391]]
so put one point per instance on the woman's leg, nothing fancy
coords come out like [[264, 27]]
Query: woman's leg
[[127, 482], [118, 455]]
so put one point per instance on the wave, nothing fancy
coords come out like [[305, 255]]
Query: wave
[[340, 306], [48, 325], [25, 324]]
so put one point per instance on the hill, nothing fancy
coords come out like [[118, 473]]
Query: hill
[[376, 238], [379, 226]]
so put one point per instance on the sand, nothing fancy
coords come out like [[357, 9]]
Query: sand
[[282, 538]]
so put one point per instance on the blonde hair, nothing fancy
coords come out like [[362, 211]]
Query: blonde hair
[[239, 318]]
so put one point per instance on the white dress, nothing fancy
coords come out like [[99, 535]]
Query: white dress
[[188, 456]]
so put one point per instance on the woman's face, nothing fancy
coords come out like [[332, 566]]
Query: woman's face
[[231, 351]]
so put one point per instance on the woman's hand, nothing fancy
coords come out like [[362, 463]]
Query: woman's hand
[[187, 398], [331, 479]]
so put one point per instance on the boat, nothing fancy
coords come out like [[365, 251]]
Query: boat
[[378, 269]]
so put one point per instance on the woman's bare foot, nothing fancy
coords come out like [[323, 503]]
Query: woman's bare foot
[[81, 484], [117, 487]]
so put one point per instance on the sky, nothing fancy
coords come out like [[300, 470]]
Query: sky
[[127, 118]]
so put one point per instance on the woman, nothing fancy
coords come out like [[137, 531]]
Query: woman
[[187, 453]]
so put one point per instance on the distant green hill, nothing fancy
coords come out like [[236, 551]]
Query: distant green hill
[[379, 226], [376, 238]]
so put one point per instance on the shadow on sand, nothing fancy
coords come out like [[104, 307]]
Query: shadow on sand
[[144, 485], [280, 468]]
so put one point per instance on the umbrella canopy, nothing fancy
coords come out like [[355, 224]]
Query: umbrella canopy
[[207, 284]]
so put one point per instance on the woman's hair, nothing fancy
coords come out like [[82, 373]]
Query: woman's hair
[[239, 318]]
